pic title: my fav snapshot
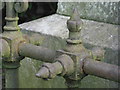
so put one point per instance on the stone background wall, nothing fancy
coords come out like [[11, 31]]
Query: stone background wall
[[98, 11]]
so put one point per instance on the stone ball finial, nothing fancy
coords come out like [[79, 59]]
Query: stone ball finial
[[75, 24], [21, 6]]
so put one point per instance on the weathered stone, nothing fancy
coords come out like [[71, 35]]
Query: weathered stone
[[52, 25], [30, 67], [98, 11], [93, 34]]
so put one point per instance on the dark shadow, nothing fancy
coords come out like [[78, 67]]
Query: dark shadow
[[37, 10]]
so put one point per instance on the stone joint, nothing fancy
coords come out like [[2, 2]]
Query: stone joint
[[50, 67], [67, 63], [13, 39]]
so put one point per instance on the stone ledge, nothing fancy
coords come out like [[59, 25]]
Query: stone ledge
[[51, 25], [95, 33]]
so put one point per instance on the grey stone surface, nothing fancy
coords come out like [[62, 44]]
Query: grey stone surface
[[51, 25], [98, 11], [95, 33]]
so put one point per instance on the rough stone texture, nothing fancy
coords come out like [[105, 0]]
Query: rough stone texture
[[30, 67], [52, 25], [93, 34], [98, 11]]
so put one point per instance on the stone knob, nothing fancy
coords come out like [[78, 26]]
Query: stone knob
[[74, 24]]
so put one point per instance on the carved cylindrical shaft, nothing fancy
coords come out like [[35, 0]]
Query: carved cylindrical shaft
[[11, 18], [63, 66], [11, 60], [12, 10], [101, 69], [37, 52], [49, 70]]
